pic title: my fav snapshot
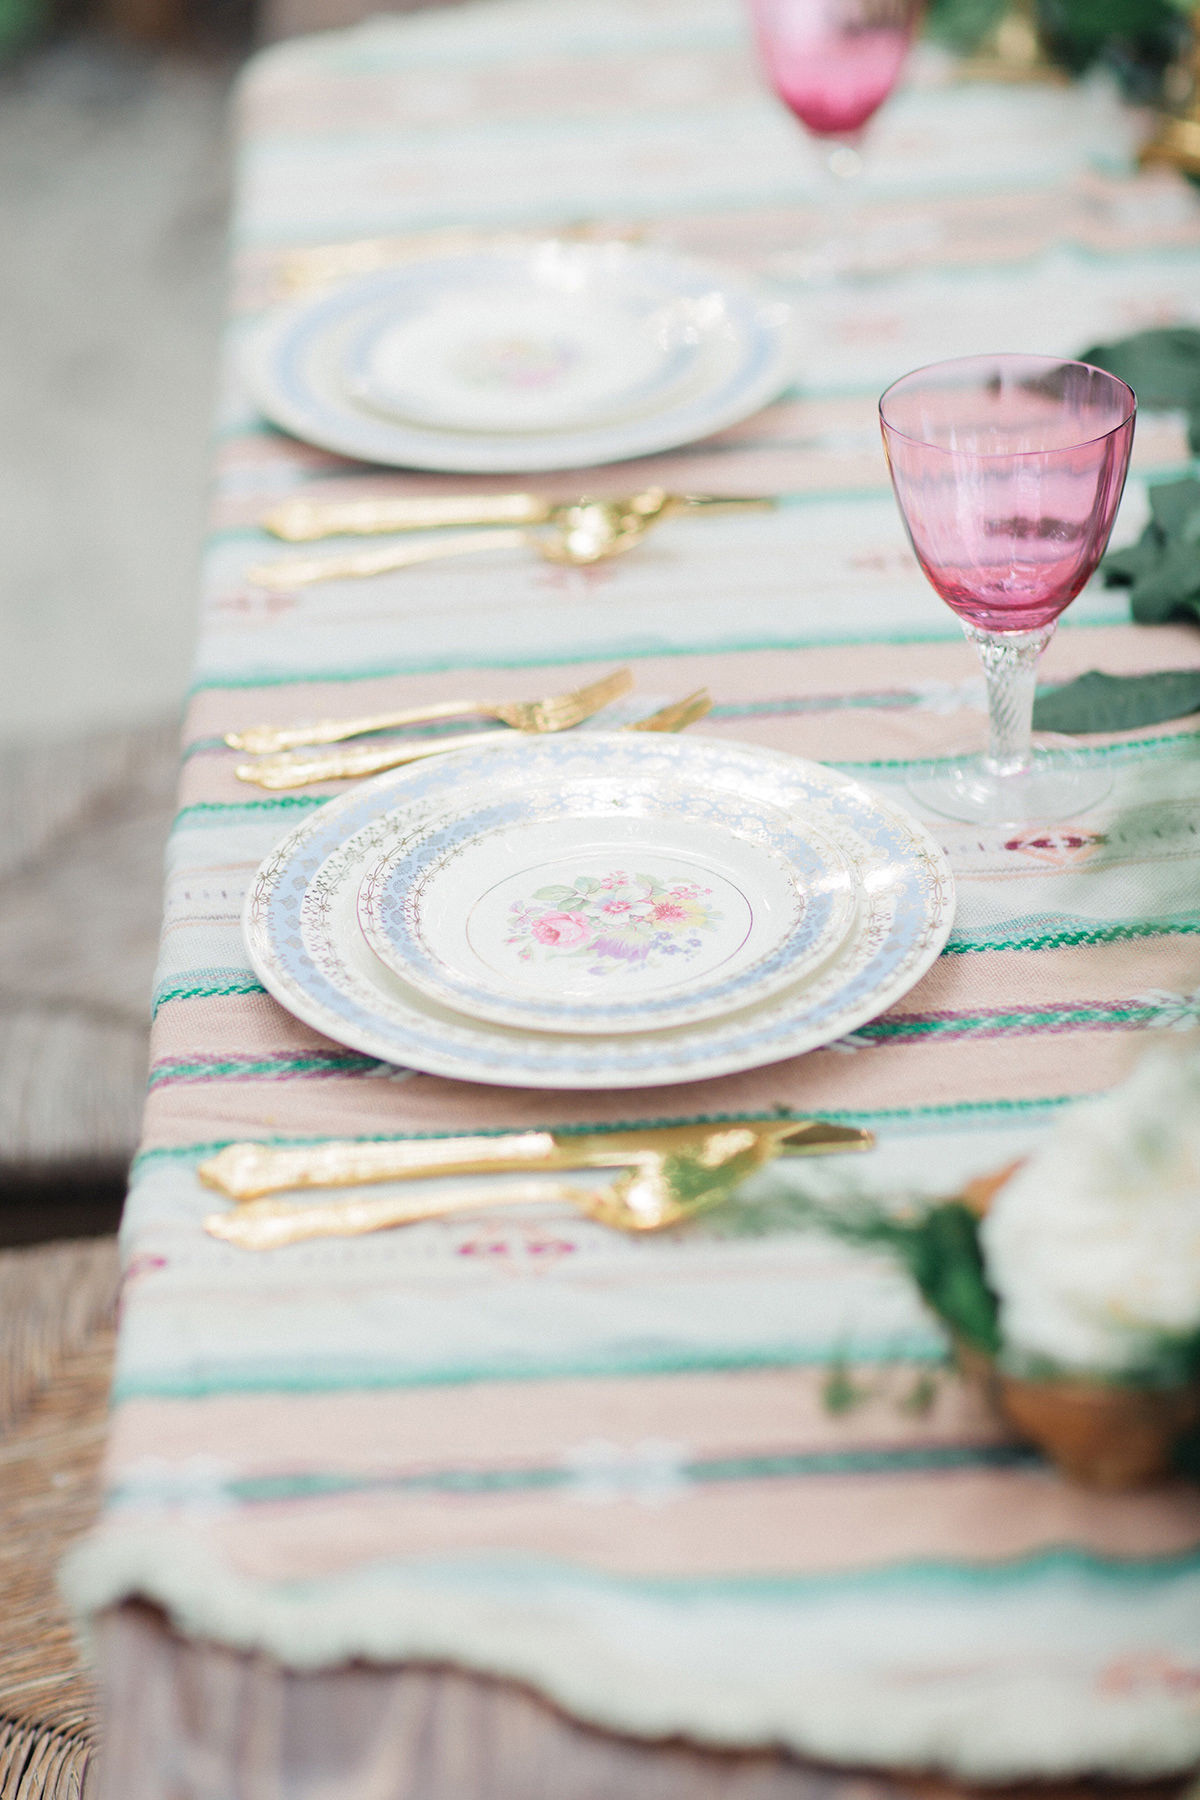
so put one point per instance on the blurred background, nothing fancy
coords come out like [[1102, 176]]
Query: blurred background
[[114, 183]]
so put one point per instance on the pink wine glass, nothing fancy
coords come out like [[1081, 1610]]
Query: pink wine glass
[[1008, 471], [834, 63]]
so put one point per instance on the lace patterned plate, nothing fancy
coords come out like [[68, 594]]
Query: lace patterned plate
[[601, 906], [304, 940]]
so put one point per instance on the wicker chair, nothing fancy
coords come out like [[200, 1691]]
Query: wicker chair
[[57, 1305]]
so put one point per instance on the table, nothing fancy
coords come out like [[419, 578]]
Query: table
[[630, 1482]]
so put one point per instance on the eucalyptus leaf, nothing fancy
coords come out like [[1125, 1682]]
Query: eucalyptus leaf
[[1169, 587], [1162, 367], [1123, 567], [938, 1247], [1163, 567], [1175, 506], [1099, 702]]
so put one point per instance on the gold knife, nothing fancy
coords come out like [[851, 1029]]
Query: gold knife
[[246, 1171], [304, 521]]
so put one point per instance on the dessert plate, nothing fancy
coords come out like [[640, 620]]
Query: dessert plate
[[304, 940], [578, 907], [523, 357]]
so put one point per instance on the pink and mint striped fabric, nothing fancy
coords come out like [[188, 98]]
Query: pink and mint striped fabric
[[616, 1469]]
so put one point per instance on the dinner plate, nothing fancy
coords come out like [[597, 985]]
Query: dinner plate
[[571, 905], [304, 940], [595, 353]]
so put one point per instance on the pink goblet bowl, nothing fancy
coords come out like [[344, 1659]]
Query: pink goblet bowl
[[1008, 471]]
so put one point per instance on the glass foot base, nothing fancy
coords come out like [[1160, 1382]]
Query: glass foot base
[[1059, 784]]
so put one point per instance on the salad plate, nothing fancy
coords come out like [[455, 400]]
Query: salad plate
[[304, 939], [523, 357], [584, 906]]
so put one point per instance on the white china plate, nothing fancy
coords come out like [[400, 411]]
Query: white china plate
[[626, 351], [529, 354], [304, 941], [577, 906]]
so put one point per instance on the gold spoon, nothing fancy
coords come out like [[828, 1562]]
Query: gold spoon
[[579, 533], [659, 1190]]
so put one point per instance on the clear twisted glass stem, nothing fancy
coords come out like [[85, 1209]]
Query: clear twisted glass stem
[[1010, 664]]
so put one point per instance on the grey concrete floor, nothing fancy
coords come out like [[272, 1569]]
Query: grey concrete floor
[[113, 202]]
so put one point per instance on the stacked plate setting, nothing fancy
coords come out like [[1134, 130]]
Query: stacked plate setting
[[519, 356], [598, 910]]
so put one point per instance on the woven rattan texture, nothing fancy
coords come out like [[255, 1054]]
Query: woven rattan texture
[[57, 1304]]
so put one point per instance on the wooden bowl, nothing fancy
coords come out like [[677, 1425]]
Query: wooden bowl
[[1108, 1435], [1100, 1434]]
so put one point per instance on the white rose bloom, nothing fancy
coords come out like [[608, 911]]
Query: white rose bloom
[[1093, 1247]]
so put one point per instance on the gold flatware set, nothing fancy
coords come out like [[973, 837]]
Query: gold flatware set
[[558, 712], [577, 532], [669, 1174]]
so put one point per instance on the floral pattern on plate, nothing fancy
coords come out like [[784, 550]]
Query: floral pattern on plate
[[614, 921]]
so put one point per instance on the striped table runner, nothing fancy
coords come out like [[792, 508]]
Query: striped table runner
[[721, 1485]]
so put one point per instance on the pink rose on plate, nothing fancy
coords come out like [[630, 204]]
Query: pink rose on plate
[[562, 929]]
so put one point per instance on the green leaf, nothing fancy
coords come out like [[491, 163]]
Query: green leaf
[[586, 884], [945, 1259], [1175, 506], [840, 1393], [557, 896], [1121, 568], [1099, 702], [921, 1396], [1172, 582], [962, 25], [1162, 366]]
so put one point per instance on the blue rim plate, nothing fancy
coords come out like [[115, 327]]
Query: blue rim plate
[[304, 941], [594, 906], [304, 364]]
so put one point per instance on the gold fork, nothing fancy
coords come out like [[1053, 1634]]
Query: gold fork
[[301, 771], [557, 712]]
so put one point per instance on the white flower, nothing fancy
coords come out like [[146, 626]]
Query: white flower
[[1093, 1247]]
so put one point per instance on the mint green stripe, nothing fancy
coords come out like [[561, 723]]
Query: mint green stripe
[[1072, 936], [330, 1376], [258, 1068], [893, 1029], [482, 1482], [213, 988], [618, 650], [923, 1575], [869, 700], [229, 812]]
